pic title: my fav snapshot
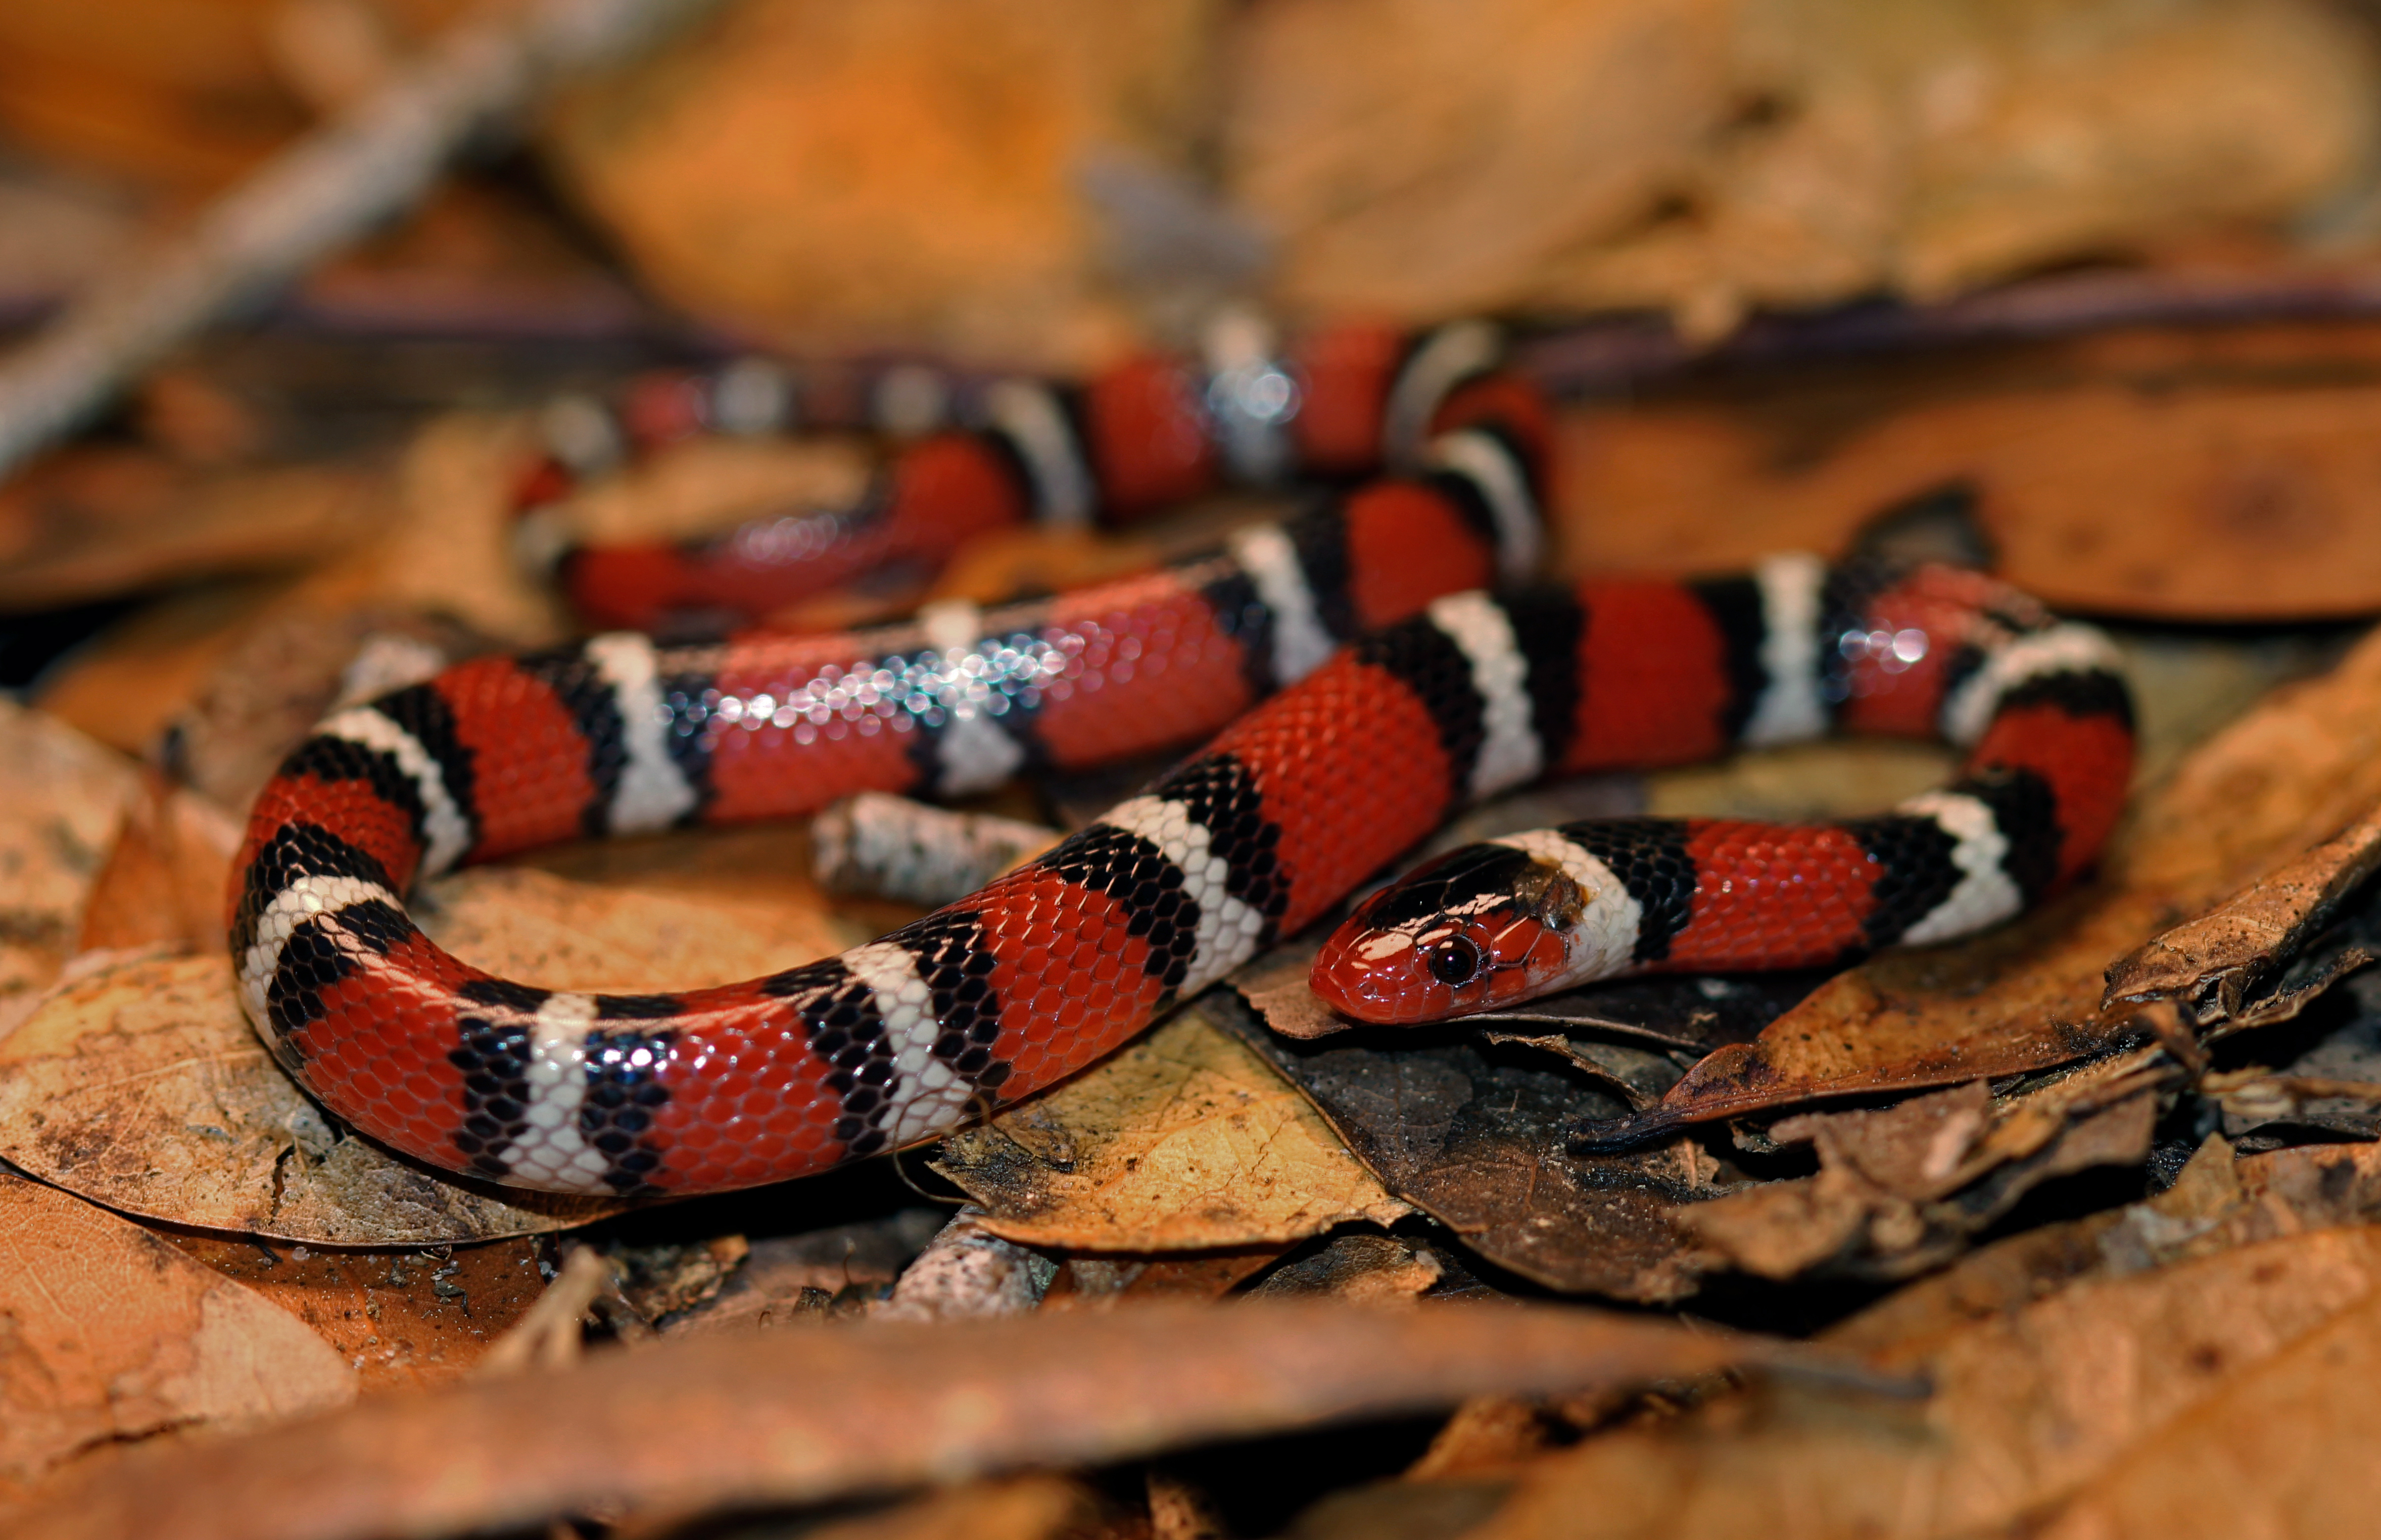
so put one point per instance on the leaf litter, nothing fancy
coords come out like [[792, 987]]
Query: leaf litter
[[1245, 1154]]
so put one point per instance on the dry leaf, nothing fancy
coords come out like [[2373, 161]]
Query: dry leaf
[[1425, 161], [2029, 1405], [90, 522], [795, 1417], [1359, 1270], [2287, 1449], [165, 875], [141, 1086], [2254, 499], [108, 1333], [538, 928], [2215, 961], [399, 1318], [2027, 995], [1038, 1506], [1900, 1190], [2217, 1204], [1708, 158], [1184, 1141], [287, 672], [64, 798], [705, 485], [725, 164], [1477, 1134], [1099, 1282], [794, 1278], [445, 546], [129, 682], [967, 1273], [746, 870]]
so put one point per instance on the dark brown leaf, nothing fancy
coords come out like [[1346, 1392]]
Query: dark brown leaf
[[1474, 1132]]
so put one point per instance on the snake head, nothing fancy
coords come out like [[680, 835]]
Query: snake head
[[1484, 927]]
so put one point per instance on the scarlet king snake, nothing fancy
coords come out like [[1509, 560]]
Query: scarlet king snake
[[1449, 693]]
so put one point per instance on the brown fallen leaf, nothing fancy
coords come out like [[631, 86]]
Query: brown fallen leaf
[[1902, 1189], [968, 233], [968, 1272], [1361, 1269], [63, 797], [1488, 1435], [2217, 1204], [287, 671], [788, 1279], [708, 485], [2287, 1449], [531, 926], [1099, 1282], [1184, 1141], [89, 522], [141, 1086], [112, 1335], [1034, 1507], [1476, 1132], [443, 546], [2271, 478], [2214, 962], [163, 881], [136, 676], [399, 1319], [746, 870], [2028, 995], [1409, 1505], [1534, 157], [2029, 1405], [797, 1417]]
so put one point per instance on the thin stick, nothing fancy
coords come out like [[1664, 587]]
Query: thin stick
[[321, 192]]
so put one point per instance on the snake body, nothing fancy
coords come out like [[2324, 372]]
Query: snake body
[[1151, 431], [1328, 762], [779, 1076], [2041, 706]]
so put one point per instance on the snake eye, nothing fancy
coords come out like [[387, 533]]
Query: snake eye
[[1455, 961]]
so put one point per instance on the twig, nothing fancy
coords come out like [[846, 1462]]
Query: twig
[[320, 193], [1615, 356]]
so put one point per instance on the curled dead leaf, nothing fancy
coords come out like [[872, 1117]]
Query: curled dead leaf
[[2214, 962], [1902, 1189]]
